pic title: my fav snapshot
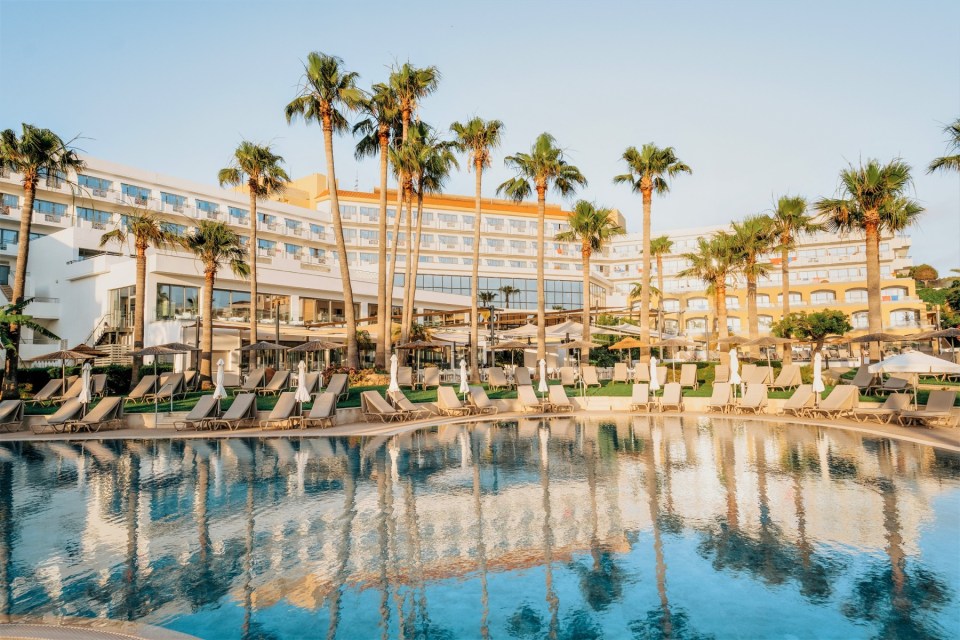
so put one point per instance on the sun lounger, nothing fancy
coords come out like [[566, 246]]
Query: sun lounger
[[53, 389], [322, 412], [620, 373], [640, 397], [67, 411], [98, 384], [172, 388], [276, 385], [662, 375], [11, 415], [938, 410], [241, 412], [892, 385], [558, 399], [521, 375], [758, 375], [449, 404], [863, 380], [672, 397], [641, 373], [754, 400], [568, 377], [481, 401], [529, 401], [109, 411], [164, 377], [339, 386], [788, 377], [145, 387], [310, 382], [253, 382], [373, 405], [890, 409], [402, 403], [841, 401], [73, 391], [688, 376], [721, 374], [747, 371], [589, 374], [720, 398], [190, 379], [405, 377], [800, 402], [281, 416], [496, 378], [201, 412], [431, 378]]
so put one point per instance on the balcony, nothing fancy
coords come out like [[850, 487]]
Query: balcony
[[53, 183], [449, 225], [297, 231], [446, 246], [267, 226], [7, 210], [210, 215]]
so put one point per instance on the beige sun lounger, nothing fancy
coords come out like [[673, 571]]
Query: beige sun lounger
[[67, 411], [721, 374], [620, 373], [720, 398], [310, 382], [672, 397], [938, 410], [53, 389], [589, 374], [481, 401], [109, 411], [431, 377], [73, 391], [339, 386], [282, 414], [98, 384], [496, 378], [403, 405], [558, 399], [449, 404], [754, 400], [190, 379], [253, 381], [688, 376], [788, 377], [759, 375], [893, 384], [890, 409], [841, 401], [747, 371], [405, 377], [568, 377], [529, 401], [521, 375], [201, 412], [373, 405], [11, 415], [144, 387], [241, 412], [863, 380], [662, 375], [640, 397], [172, 388], [641, 372], [800, 402], [276, 385], [322, 412]]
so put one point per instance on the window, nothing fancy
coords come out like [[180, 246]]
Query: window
[[823, 297], [763, 300], [51, 209], [671, 305], [494, 263], [447, 260], [518, 264], [369, 236], [855, 295], [733, 324], [369, 213], [293, 226], [10, 201], [99, 186], [733, 302], [175, 229], [369, 258], [266, 247], [8, 236], [698, 325], [860, 320], [467, 221], [95, 216], [698, 304], [293, 250], [794, 298], [317, 229], [348, 212], [905, 318], [765, 322], [893, 294], [212, 209], [172, 201], [447, 220], [122, 304], [176, 301], [425, 259], [139, 195]]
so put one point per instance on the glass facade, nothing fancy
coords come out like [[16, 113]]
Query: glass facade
[[122, 305], [97, 217], [92, 182], [49, 208], [566, 294], [175, 301]]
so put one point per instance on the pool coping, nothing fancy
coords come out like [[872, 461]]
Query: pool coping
[[77, 628]]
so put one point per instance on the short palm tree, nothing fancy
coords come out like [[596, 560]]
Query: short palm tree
[[872, 201], [648, 171], [592, 227], [712, 263], [543, 168], [145, 230], [215, 245], [951, 162], [753, 238], [34, 154], [790, 222], [257, 168], [487, 297], [507, 291], [327, 89], [477, 138], [659, 247], [382, 117]]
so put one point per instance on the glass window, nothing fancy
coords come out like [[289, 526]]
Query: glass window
[[794, 298], [860, 320], [95, 216], [132, 191], [92, 182], [733, 302], [207, 206], [822, 297], [236, 212], [173, 200], [698, 304], [10, 201], [905, 318], [9, 236], [763, 300], [855, 295], [317, 229], [177, 301], [892, 294], [176, 229], [49, 208]]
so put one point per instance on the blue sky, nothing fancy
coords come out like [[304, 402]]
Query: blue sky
[[760, 98]]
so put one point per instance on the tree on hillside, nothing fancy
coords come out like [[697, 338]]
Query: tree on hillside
[[924, 274]]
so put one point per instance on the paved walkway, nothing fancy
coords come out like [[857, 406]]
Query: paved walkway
[[82, 629]]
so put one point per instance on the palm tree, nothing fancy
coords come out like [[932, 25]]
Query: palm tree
[[12, 315], [753, 238], [648, 170], [146, 230], [35, 154], [790, 221], [382, 117], [636, 292], [712, 263], [949, 163], [215, 245], [487, 297], [659, 247], [477, 138], [872, 201], [542, 168], [592, 227], [327, 88], [508, 291], [258, 168]]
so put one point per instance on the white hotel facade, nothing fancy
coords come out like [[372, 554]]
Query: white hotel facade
[[84, 293]]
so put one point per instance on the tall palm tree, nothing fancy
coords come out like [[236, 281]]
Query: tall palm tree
[[592, 227], [790, 222], [477, 138], [649, 170], [35, 153], [258, 168], [327, 89], [753, 238], [487, 297], [542, 168], [215, 245], [382, 113], [659, 247], [712, 263], [145, 230], [952, 162], [872, 201], [636, 292], [508, 291]]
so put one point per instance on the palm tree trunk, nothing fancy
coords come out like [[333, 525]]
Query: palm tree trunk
[[353, 357], [785, 288], [660, 295], [392, 273], [206, 346], [541, 283], [19, 287], [140, 294], [475, 279], [874, 310], [253, 266], [415, 266], [383, 307], [753, 325], [647, 267], [407, 285], [721, 305], [586, 297]]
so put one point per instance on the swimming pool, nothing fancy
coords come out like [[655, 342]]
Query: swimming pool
[[629, 528]]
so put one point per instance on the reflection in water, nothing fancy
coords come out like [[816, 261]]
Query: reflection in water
[[643, 528]]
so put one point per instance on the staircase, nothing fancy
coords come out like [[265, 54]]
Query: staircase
[[7, 291]]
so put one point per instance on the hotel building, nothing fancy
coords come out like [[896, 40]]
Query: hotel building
[[85, 293]]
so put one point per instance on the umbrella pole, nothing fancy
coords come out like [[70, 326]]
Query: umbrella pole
[[155, 409]]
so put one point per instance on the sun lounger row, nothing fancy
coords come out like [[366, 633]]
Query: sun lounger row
[[69, 417]]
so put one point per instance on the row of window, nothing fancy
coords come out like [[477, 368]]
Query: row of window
[[888, 294], [452, 220], [565, 294], [900, 318]]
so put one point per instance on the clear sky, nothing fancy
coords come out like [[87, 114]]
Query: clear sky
[[759, 98]]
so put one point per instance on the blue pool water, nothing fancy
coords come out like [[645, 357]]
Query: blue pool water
[[663, 527]]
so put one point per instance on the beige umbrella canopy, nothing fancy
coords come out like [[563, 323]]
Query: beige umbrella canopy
[[877, 337], [768, 341], [952, 332], [629, 343], [677, 342], [732, 340], [508, 345], [83, 348], [63, 355], [423, 344], [580, 344], [315, 345]]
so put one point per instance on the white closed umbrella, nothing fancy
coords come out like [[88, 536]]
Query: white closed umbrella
[[735, 379], [542, 388], [654, 378], [394, 365], [818, 387], [85, 395], [302, 395], [464, 386], [219, 392]]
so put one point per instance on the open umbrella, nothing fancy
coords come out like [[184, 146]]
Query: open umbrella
[[875, 337], [218, 390], [464, 385], [96, 353], [315, 346], [676, 343], [265, 346], [542, 387], [735, 379], [85, 395], [917, 363], [818, 376], [394, 367], [157, 351], [302, 395], [628, 343], [422, 345], [654, 378], [510, 345], [768, 341], [63, 356], [733, 340]]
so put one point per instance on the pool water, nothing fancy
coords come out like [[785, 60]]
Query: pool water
[[664, 527]]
